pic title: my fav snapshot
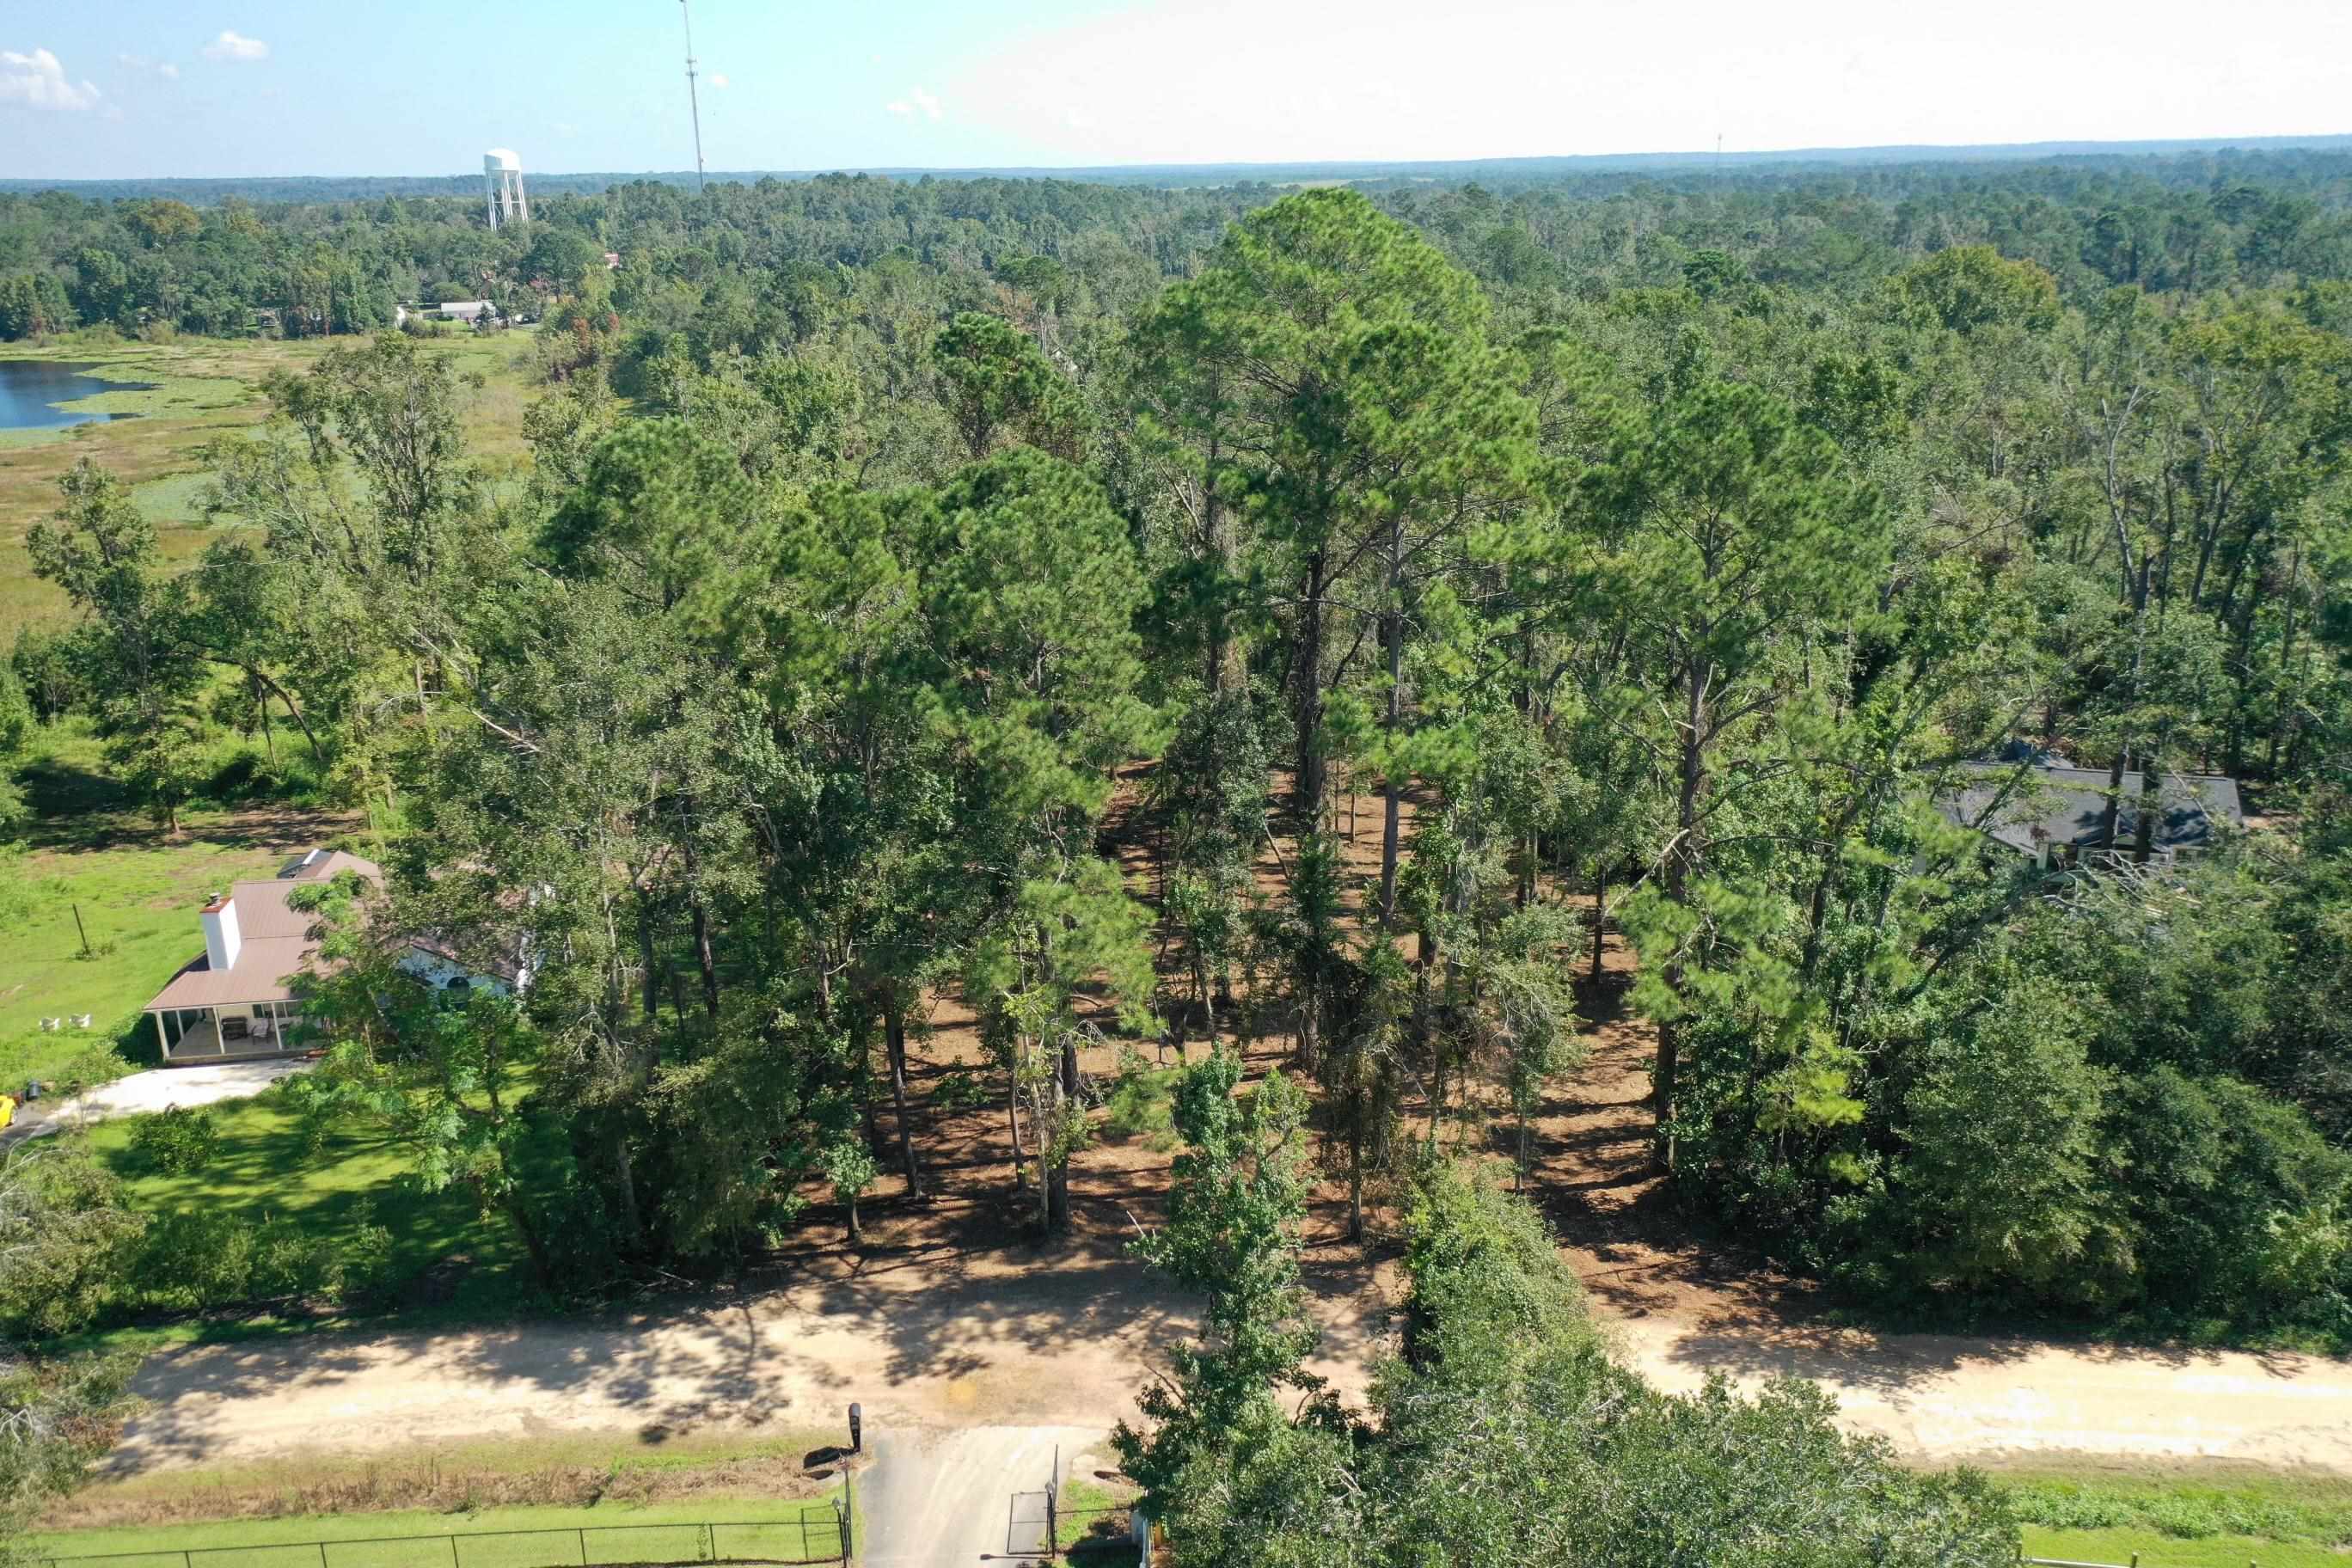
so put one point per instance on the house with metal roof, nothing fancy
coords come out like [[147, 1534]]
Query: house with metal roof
[[2056, 815], [237, 999]]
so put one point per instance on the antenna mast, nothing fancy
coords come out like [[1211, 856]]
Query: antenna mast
[[693, 106]]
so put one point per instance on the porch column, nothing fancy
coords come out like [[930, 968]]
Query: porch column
[[161, 1043]]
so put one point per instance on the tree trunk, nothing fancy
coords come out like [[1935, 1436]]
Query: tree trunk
[[894, 1040], [1391, 792], [318, 753], [269, 730], [1224, 672], [1065, 1095], [1600, 913], [706, 961], [1356, 1174], [1307, 698], [2144, 830], [649, 986], [1020, 1149], [2112, 809], [1679, 865], [1310, 1020], [625, 1174]]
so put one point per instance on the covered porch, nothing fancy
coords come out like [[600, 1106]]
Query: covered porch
[[243, 1032]]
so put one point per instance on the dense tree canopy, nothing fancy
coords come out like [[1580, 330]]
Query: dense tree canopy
[[1665, 553]]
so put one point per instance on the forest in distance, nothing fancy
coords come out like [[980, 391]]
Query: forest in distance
[[1653, 553]]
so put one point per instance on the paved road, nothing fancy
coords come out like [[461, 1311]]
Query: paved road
[[938, 1499], [152, 1091]]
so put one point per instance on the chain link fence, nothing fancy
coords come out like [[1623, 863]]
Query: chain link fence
[[818, 1536]]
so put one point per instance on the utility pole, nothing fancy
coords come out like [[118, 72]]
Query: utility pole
[[693, 106]]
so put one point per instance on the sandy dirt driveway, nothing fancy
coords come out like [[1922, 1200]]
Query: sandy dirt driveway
[[933, 1498], [937, 1348]]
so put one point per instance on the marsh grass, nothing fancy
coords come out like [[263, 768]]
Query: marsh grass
[[203, 389]]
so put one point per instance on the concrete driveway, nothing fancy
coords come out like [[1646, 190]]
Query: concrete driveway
[[143, 1091]]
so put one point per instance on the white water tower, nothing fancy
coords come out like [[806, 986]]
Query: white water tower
[[502, 187]]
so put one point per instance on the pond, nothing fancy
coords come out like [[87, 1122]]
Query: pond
[[31, 389]]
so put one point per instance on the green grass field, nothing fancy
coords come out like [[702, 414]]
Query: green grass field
[[2187, 1516], [544, 1537], [2155, 1550], [136, 890], [1089, 1528], [263, 1168]]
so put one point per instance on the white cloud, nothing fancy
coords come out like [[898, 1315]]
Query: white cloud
[[235, 46], [144, 66], [40, 79], [916, 102], [1162, 83], [718, 78]]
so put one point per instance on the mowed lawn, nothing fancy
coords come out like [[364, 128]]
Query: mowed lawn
[[767, 1529], [2155, 1550], [138, 902], [265, 1167], [2183, 1514], [136, 889]]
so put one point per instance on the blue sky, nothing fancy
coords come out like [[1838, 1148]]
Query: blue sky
[[96, 88]]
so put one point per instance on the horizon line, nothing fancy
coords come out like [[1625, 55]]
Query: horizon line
[[2153, 146]]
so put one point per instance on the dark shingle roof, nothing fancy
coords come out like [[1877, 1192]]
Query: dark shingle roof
[[2024, 805]]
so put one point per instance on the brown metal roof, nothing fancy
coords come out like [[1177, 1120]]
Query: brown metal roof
[[260, 974], [275, 941]]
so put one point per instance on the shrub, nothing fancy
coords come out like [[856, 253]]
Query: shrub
[[961, 1088], [198, 1259], [177, 1140]]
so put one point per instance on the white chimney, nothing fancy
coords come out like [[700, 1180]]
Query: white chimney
[[221, 938]]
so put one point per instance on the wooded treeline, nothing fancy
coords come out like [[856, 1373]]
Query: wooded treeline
[[1668, 552], [2192, 223]]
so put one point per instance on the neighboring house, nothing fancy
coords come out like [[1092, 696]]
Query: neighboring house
[[234, 1000], [464, 310], [2053, 814]]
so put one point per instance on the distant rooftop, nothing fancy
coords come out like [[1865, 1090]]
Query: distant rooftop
[[2045, 803]]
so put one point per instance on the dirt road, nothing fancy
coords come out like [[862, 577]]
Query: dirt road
[[1047, 1353], [939, 1336]]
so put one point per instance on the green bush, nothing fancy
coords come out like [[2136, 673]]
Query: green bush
[[961, 1088], [178, 1141], [198, 1259]]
